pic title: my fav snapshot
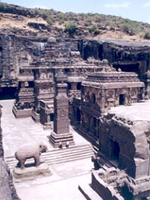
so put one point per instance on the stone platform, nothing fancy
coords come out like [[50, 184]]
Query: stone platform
[[22, 113], [31, 172], [63, 138]]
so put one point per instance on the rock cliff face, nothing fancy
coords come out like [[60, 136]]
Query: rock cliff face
[[7, 189], [127, 55]]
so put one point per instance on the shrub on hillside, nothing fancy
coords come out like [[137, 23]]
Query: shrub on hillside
[[71, 28], [147, 36], [94, 30], [49, 21]]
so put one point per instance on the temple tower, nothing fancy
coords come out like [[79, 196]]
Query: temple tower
[[61, 133]]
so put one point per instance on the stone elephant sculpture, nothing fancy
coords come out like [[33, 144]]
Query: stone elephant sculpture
[[30, 151]]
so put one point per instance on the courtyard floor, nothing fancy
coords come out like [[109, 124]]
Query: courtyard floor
[[65, 178]]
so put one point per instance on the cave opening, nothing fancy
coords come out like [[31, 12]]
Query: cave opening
[[128, 67]]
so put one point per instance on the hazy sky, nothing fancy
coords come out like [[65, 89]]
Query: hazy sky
[[138, 10]]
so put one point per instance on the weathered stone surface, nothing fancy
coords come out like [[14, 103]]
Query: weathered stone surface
[[127, 135]]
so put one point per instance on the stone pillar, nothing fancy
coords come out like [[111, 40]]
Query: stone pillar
[[147, 83], [61, 133], [102, 101]]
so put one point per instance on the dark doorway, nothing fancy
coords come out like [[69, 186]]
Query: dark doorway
[[79, 86], [115, 150], [69, 86], [122, 99], [52, 116], [8, 93], [78, 117]]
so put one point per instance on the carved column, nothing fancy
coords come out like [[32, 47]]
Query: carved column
[[61, 132]]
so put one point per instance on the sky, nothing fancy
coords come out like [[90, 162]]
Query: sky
[[138, 10]]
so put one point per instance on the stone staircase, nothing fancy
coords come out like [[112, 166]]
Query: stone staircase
[[57, 156]]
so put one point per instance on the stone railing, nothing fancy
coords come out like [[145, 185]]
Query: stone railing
[[105, 77], [26, 91]]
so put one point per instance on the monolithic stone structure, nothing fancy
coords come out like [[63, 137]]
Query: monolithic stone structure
[[102, 90], [61, 135], [28, 66], [124, 154]]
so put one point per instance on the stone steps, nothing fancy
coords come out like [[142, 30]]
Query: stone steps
[[57, 156]]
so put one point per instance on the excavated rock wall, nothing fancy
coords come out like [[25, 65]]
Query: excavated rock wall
[[16, 52], [129, 56], [7, 189]]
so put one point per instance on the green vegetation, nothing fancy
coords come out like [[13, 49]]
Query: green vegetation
[[94, 30], [49, 20], [71, 28], [147, 36]]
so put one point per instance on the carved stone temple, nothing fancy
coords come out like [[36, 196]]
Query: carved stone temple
[[61, 134], [98, 76]]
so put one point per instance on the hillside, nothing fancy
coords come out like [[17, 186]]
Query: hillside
[[19, 20]]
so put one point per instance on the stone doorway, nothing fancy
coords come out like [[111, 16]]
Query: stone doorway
[[122, 99], [52, 117], [115, 150]]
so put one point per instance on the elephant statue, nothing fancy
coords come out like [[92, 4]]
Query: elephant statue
[[30, 151]]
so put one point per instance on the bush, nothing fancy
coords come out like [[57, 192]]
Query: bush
[[147, 35], [71, 28], [94, 30], [49, 21], [129, 30], [61, 16]]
